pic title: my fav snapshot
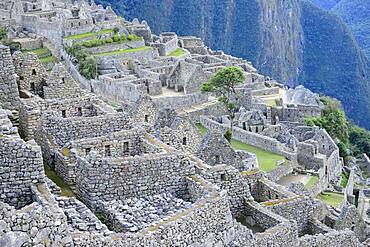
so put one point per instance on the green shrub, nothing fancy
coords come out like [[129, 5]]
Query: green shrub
[[108, 41], [228, 135], [123, 37], [133, 37], [3, 32], [116, 38]]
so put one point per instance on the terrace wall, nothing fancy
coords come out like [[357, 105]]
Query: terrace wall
[[109, 179]]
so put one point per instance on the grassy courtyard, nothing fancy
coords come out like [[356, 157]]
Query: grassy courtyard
[[118, 52], [89, 34], [177, 53], [311, 182], [267, 160], [331, 198], [66, 191]]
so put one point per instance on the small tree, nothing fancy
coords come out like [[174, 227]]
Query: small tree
[[3, 32], [224, 84]]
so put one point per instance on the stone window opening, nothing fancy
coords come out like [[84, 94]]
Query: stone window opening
[[146, 118], [125, 147], [217, 158], [244, 126], [63, 80], [107, 150], [184, 141], [34, 72], [87, 151], [32, 86], [20, 64], [21, 78], [79, 111], [223, 177], [64, 113]]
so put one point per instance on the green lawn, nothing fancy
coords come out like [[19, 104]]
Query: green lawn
[[331, 198], [48, 59], [202, 129], [270, 102], [267, 160], [112, 53], [66, 191], [177, 53], [39, 51], [344, 181], [313, 180], [89, 34]]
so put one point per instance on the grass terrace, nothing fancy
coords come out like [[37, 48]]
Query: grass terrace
[[331, 198], [49, 59], [311, 182], [267, 160], [118, 52], [66, 191], [40, 52], [177, 53], [89, 34], [202, 129]]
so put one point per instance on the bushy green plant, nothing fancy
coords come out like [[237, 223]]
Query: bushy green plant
[[223, 84], [88, 64], [13, 46], [3, 32], [88, 68], [228, 135], [116, 38], [123, 38], [108, 40], [351, 139], [133, 37]]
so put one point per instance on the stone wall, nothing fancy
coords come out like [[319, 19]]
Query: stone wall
[[131, 176], [260, 141], [215, 149], [141, 55], [302, 210], [267, 191], [68, 129], [331, 239], [31, 73], [115, 47], [180, 101], [21, 168], [61, 85], [9, 95]]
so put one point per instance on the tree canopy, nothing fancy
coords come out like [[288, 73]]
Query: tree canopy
[[223, 84]]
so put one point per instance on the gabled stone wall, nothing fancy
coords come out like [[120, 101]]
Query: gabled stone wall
[[9, 96]]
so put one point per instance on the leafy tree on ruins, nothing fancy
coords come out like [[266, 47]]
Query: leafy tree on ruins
[[3, 32], [223, 84]]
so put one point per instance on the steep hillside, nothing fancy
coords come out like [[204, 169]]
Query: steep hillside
[[326, 4], [333, 63], [292, 41], [356, 14]]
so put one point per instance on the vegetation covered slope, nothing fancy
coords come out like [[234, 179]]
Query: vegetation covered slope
[[291, 41], [356, 14], [333, 63], [326, 4]]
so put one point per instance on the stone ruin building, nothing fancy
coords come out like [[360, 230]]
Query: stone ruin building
[[121, 159]]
